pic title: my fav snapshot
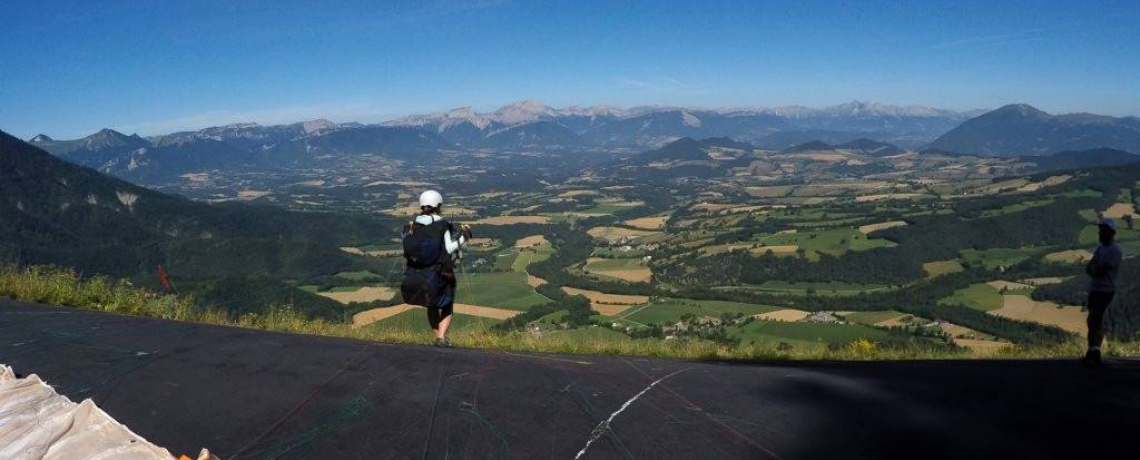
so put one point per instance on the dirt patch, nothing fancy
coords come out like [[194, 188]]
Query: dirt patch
[[534, 281], [251, 194], [982, 347], [1119, 210], [367, 317], [1072, 256], [787, 315], [1022, 308], [1007, 285], [1042, 281], [510, 220], [486, 312], [364, 294], [574, 193], [607, 304], [381, 253], [533, 240], [888, 196], [648, 223], [636, 275], [616, 233], [899, 320], [865, 229], [355, 251], [1048, 182]]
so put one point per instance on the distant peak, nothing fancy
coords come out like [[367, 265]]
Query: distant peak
[[523, 111], [248, 124], [317, 125], [1021, 109], [106, 133], [42, 138], [529, 104]]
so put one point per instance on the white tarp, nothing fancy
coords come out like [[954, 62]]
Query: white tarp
[[36, 423]]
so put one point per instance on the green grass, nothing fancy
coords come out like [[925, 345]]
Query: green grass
[[64, 287], [415, 320], [589, 334], [992, 259], [506, 261], [1016, 207], [309, 288], [1125, 196], [357, 275], [775, 331], [832, 288], [606, 208], [942, 267], [530, 256], [872, 317], [835, 241], [979, 296], [499, 290], [671, 310], [1090, 235], [1088, 214]]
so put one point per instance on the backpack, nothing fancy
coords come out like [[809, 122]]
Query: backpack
[[423, 244], [429, 279]]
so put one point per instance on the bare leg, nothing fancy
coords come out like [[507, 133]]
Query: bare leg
[[444, 321]]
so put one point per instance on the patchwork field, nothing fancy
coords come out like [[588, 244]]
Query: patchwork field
[[1072, 256], [979, 296], [508, 291], [1022, 308], [942, 267], [511, 220], [865, 229], [648, 223], [607, 304], [997, 258], [361, 294], [803, 334], [783, 315], [633, 270], [616, 233], [872, 318], [671, 310], [804, 288], [835, 241]]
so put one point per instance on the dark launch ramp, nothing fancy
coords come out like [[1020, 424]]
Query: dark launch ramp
[[257, 395]]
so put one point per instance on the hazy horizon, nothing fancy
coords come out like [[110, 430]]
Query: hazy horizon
[[159, 68]]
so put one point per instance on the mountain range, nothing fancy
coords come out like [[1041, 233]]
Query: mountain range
[[654, 125], [1020, 129], [530, 126]]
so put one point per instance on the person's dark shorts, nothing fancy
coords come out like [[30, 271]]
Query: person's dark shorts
[[1099, 301]]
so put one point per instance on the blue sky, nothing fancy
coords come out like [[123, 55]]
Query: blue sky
[[151, 67]]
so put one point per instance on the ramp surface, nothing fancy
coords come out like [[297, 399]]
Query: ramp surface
[[257, 395]]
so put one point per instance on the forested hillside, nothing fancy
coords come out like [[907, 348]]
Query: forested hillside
[[58, 213]]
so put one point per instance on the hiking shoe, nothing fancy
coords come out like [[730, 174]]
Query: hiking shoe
[[442, 342], [1092, 358]]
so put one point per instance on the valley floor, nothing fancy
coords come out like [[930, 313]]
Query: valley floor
[[250, 394]]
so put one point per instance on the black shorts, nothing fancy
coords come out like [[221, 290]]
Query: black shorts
[[1099, 301]]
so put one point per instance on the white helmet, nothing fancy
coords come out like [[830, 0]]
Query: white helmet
[[431, 198]]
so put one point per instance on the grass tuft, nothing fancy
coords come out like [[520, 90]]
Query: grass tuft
[[62, 286]]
